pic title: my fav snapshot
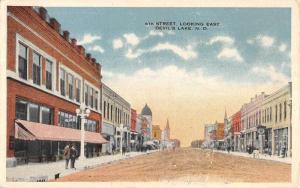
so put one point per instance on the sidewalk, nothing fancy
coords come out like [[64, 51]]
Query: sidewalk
[[47, 171], [261, 156]]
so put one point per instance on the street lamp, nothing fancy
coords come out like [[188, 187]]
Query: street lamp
[[82, 112]]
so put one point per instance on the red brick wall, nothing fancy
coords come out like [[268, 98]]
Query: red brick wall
[[236, 122], [88, 70], [133, 120], [18, 89]]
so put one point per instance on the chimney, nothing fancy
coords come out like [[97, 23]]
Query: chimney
[[43, 13], [54, 24], [88, 56], [81, 49], [66, 35], [73, 42]]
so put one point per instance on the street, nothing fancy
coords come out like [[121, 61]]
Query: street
[[187, 164]]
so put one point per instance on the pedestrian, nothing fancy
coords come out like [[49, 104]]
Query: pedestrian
[[123, 150], [113, 148], [73, 155], [67, 155]]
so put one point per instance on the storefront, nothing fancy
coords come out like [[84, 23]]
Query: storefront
[[280, 141], [37, 142], [108, 132]]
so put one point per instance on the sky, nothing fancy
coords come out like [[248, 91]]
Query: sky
[[187, 76]]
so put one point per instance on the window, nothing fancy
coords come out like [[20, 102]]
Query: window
[[21, 109], [91, 101], [270, 114], [86, 95], [280, 111], [284, 110], [111, 112], [36, 75], [71, 86], [62, 82], [96, 99], [49, 74], [276, 113], [46, 116], [22, 61], [68, 120], [78, 89], [33, 110], [104, 109], [108, 111], [90, 125]]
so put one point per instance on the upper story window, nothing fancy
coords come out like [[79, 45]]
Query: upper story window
[[36, 74], [78, 90], [86, 98], [91, 100], [276, 113], [49, 66], [271, 114], [284, 110], [96, 99], [23, 57], [104, 109], [71, 86], [62, 82], [280, 111]]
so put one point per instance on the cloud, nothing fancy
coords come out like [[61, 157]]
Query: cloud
[[156, 33], [225, 40], [117, 43], [264, 41], [282, 47], [96, 48], [185, 53], [230, 54], [131, 39], [88, 39], [270, 72], [132, 55]]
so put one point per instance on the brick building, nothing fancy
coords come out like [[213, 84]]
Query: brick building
[[220, 131], [236, 128], [156, 132], [48, 77]]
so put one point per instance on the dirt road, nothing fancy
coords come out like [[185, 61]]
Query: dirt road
[[188, 164]]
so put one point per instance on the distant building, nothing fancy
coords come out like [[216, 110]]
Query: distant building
[[236, 127], [133, 131], [147, 122], [156, 132]]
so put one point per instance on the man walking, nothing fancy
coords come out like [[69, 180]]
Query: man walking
[[67, 155], [73, 155]]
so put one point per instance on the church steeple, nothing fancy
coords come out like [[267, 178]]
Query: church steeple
[[167, 126], [225, 117]]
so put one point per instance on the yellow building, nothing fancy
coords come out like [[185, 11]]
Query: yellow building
[[156, 132]]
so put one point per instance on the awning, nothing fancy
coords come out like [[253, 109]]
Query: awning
[[26, 130]]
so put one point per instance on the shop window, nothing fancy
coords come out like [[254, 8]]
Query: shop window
[[21, 109], [33, 110], [46, 115], [23, 57], [49, 67], [36, 75]]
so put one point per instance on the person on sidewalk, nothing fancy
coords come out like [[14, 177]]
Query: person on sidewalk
[[113, 148], [67, 155], [73, 155], [123, 150]]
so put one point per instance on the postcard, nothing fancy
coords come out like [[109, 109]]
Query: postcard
[[150, 94]]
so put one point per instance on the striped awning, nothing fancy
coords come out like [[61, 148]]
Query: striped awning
[[26, 130]]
